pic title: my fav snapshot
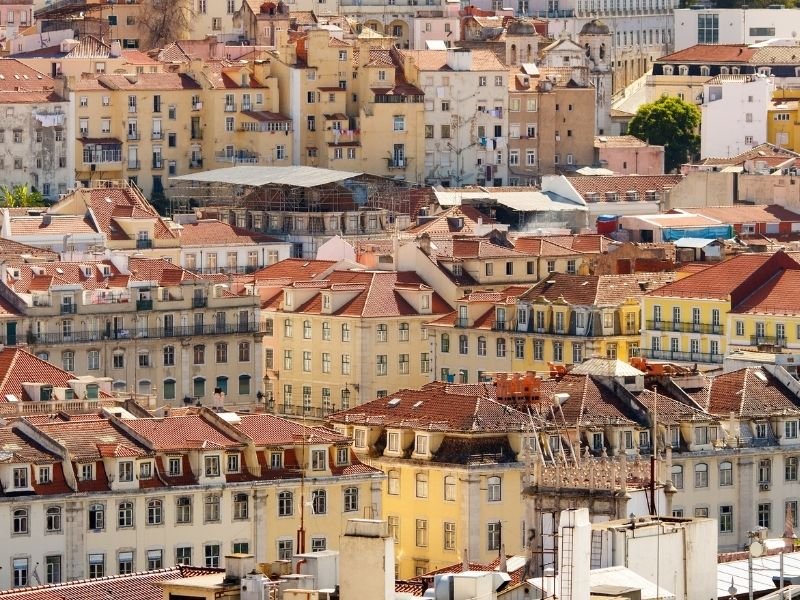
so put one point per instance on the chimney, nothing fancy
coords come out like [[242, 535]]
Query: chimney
[[237, 566], [366, 569]]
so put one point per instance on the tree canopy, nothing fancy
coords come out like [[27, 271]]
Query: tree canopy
[[20, 196], [672, 123]]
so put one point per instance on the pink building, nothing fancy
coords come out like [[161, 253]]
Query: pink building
[[15, 15], [628, 155]]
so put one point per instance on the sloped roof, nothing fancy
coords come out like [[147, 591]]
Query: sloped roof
[[606, 367], [185, 432], [435, 408], [269, 430], [624, 183], [211, 232], [742, 213], [445, 223], [749, 392], [590, 403], [596, 290], [711, 53], [90, 440], [780, 296], [436, 60]]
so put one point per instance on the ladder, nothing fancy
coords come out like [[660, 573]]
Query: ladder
[[565, 570]]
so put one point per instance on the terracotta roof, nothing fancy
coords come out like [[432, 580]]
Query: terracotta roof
[[734, 278], [780, 296], [596, 290], [590, 403], [763, 151], [16, 76], [56, 225], [624, 183], [41, 277], [375, 294], [474, 248], [108, 204], [22, 448], [446, 222], [670, 410], [749, 392], [11, 251], [743, 213], [435, 408], [436, 60], [711, 53], [185, 432], [91, 440], [417, 585], [165, 81], [210, 232], [18, 366], [295, 269], [269, 430], [139, 586], [578, 243], [618, 141]]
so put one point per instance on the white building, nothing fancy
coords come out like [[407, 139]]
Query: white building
[[734, 26], [466, 119], [37, 135], [734, 114], [439, 27]]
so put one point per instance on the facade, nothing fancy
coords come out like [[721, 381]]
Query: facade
[[97, 495], [734, 112], [466, 115], [37, 130], [732, 25], [334, 338], [149, 326], [628, 155], [691, 320]]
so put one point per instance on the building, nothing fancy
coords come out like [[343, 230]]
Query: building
[[95, 495], [334, 338], [673, 226], [730, 26], [692, 319], [209, 246], [734, 114], [37, 131], [466, 119], [439, 501], [150, 326], [628, 155], [619, 194]]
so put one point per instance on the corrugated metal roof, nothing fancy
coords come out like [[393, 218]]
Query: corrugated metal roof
[[764, 569], [306, 177], [524, 200], [690, 242]]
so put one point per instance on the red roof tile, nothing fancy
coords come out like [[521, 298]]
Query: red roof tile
[[740, 213], [711, 53], [456, 220], [780, 296], [91, 440], [210, 232], [295, 269], [749, 392], [596, 290], [182, 433]]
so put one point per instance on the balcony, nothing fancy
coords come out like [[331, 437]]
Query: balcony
[[507, 325], [768, 340], [303, 411], [196, 163], [197, 105], [69, 309], [157, 135], [142, 333], [144, 304], [230, 107], [684, 327], [134, 165], [462, 322], [199, 302], [144, 244], [690, 357], [133, 135], [397, 163], [158, 164], [197, 134]]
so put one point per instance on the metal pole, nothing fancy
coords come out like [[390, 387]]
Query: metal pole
[[750, 576], [781, 586]]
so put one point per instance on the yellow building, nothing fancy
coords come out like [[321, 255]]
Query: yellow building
[[783, 120], [334, 338], [691, 319], [439, 498], [352, 107]]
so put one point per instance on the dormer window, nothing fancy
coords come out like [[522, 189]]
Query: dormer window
[[174, 466], [146, 470], [668, 70], [597, 441], [421, 444], [287, 299], [393, 441], [426, 301], [326, 301], [45, 474], [20, 479], [342, 456], [705, 71], [761, 430], [276, 460], [318, 460], [126, 471], [644, 439], [211, 466], [87, 472], [233, 463], [683, 70], [457, 271], [790, 429]]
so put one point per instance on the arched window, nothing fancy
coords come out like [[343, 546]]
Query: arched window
[[20, 521], [445, 343], [726, 473], [701, 475], [494, 489], [241, 506], [155, 512], [319, 502], [53, 519], [677, 476], [481, 346], [285, 504]]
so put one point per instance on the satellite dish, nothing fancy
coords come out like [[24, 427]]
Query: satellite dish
[[756, 549]]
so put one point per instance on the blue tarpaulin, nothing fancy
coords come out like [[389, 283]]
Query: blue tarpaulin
[[717, 232]]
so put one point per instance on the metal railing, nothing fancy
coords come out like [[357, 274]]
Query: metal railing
[[34, 338], [767, 340], [68, 309], [684, 327], [144, 244], [199, 302], [698, 357], [144, 304]]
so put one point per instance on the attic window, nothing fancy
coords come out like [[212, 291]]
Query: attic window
[[457, 269], [393, 402]]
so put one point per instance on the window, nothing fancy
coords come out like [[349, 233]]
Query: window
[[20, 477], [53, 519], [725, 473], [211, 506], [482, 81], [155, 559], [790, 429], [382, 332], [211, 555], [449, 535], [764, 512], [764, 471], [183, 510], [199, 354], [211, 466], [421, 444], [350, 499], [345, 332], [382, 364], [501, 347], [52, 569], [677, 476], [421, 538], [494, 489], [19, 522], [701, 475], [393, 485], [97, 519], [97, 566], [125, 515], [493, 536], [790, 468], [399, 123], [20, 568], [445, 343], [285, 549], [422, 485], [285, 504], [241, 506], [221, 351]]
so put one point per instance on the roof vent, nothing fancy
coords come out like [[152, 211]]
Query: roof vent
[[394, 402], [417, 404]]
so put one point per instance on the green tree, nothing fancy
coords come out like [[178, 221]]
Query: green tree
[[20, 196], [672, 123]]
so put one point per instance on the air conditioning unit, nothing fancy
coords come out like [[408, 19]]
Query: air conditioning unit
[[763, 487]]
